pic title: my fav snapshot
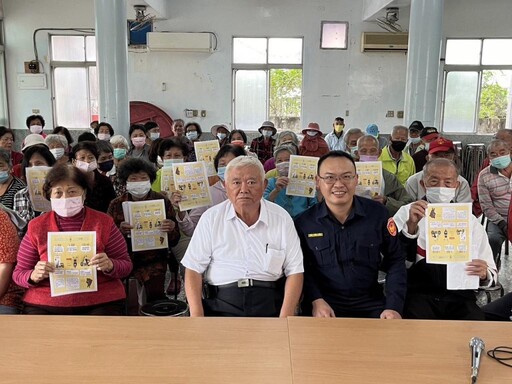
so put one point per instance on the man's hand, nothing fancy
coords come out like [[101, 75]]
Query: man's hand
[[389, 314], [416, 213], [322, 309], [478, 268]]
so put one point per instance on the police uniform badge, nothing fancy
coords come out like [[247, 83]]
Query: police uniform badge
[[392, 227]]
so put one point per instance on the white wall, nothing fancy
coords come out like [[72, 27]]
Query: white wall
[[334, 81]]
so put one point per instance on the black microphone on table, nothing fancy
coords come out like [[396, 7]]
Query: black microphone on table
[[477, 346]]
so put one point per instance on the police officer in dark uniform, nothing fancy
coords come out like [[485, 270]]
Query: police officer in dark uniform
[[346, 240]]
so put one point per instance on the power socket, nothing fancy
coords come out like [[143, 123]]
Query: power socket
[[31, 66], [203, 113]]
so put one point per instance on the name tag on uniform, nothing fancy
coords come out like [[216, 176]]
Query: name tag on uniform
[[315, 234]]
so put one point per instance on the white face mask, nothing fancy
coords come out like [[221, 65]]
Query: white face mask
[[311, 133], [36, 129], [154, 135], [170, 162], [283, 168], [138, 189], [85, 166], [57, 153], [267, 133], [440, 195], [67, 207], [104, 136], [221, 136], [414, 140]]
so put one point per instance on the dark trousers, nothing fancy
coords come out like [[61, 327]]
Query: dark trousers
[[113, 308], [441, 307], [499, 310], [243, 302]]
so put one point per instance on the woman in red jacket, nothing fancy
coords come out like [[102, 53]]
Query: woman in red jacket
[[66, 187]]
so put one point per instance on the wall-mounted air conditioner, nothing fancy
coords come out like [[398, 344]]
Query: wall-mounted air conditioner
[[179, 42], [384, 42]]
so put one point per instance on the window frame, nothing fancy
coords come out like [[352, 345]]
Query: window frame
[[54, 64], [262, 67], [479, 68]]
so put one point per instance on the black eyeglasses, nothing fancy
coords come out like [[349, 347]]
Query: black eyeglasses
[[331, 179]]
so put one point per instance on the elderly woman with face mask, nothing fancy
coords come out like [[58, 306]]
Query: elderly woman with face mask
[[9, 184], [67, 187], [85, 156], [150, 266], [276, 187], [58, 145]]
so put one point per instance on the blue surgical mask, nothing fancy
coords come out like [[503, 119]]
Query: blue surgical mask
[[501, 162], [427, 146], [353, 151], [4, 175], [221, 172], [192, 135], [414, 140]]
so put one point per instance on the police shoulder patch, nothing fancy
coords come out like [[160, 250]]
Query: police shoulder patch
[[392, 227]]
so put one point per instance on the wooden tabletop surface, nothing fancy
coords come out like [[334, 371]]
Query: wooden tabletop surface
[[61, 349], [388, 351]]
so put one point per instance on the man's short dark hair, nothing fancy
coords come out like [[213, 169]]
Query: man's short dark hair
[[334, 154], [339, 119]]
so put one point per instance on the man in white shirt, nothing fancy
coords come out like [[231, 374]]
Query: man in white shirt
[[439, 148], [427, 294], [247, 249], [334, 139]]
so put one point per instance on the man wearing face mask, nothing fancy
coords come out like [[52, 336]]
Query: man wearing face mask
[[263, 146], [313, 144], [494, 192], [334, 139], [427, 293], [427, 135], [439, 148], [394, 158], [414, 142], [393, 194], [350, 139]]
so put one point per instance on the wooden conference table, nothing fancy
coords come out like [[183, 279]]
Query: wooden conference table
[[58, 349]]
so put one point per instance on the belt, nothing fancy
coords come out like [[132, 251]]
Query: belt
[[245, 283]]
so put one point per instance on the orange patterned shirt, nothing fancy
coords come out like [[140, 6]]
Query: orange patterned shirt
[[9, 243]]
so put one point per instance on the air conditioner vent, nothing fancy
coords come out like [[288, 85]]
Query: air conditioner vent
[[384, 42]]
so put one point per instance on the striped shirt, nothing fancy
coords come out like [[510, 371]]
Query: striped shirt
[[494, 193], [7, 198]]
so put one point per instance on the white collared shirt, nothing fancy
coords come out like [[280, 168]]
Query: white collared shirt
[[479, 241], [226, 249], [335, 143]]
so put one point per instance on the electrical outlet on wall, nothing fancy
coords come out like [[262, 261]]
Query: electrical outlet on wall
[[203, 113], [390, 114], [36, 111], [400, 114], [189, 113]]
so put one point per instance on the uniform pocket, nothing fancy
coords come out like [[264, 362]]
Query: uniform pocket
[[321, 248]]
